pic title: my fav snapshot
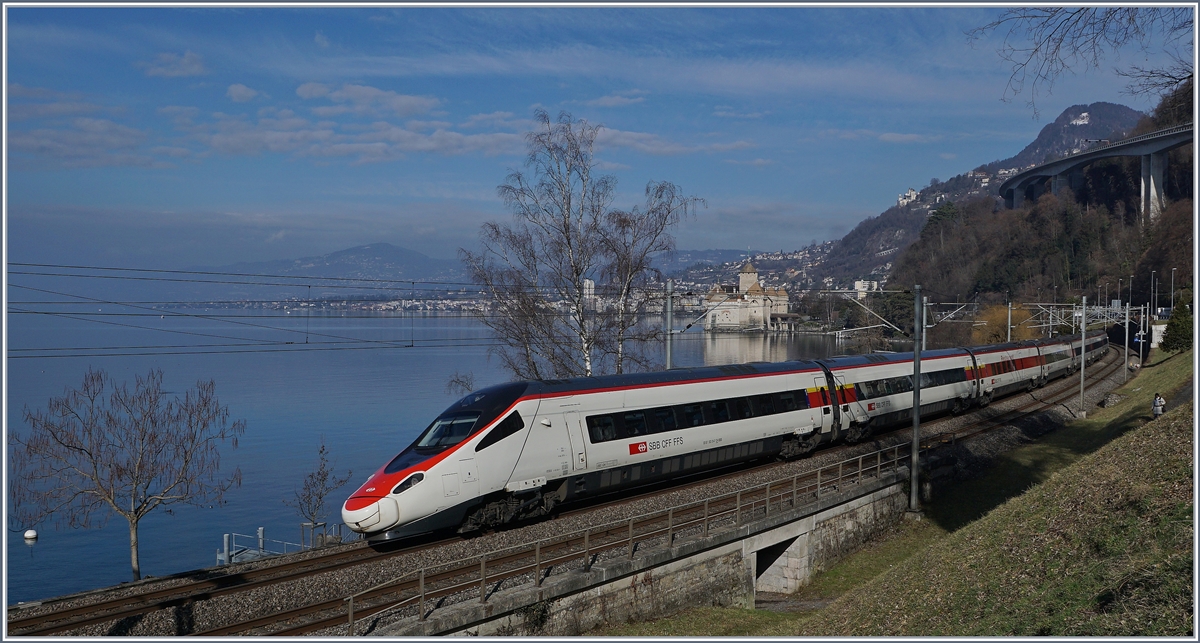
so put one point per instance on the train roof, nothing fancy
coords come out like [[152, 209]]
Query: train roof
[[673, 376], [844, 361]]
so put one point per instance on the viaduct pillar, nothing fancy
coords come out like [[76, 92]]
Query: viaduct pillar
[[1154, 170]]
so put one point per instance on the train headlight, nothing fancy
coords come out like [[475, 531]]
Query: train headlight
[[412, 480]]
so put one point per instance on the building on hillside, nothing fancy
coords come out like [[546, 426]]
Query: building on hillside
[[907, 197], [747, 306], [862, 287]]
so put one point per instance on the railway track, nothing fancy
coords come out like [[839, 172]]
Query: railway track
[[321, 615]]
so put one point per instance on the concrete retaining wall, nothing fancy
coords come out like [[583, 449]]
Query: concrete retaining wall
[[789, 556], [724, 569]]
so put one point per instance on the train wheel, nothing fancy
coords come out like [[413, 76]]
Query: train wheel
[[796, 447], [858, 432]]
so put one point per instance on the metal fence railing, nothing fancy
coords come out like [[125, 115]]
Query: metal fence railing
[[484, 574], [238, 548]]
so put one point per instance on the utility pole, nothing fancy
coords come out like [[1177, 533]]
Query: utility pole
[[1008, 326], [914, 500], [1172, 291], [1153, 290], [1125, 363], [1082, 351], [924, 323], [670, 318]]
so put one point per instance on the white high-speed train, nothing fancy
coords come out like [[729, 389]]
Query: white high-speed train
[[520, 449]]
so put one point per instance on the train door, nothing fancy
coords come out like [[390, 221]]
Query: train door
[[575, 433], [823, 399], [847, 399], [974, 375]]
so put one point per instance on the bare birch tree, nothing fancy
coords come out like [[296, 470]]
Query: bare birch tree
[[104, 449], [631, 240], [535, 269], [564, 251]]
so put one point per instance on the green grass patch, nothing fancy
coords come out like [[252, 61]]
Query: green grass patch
[[877, 557], [1086, 532]]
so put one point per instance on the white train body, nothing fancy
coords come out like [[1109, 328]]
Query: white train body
[[517, 450]]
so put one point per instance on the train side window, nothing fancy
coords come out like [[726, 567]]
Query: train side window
[[786, 401], [718, 411], [691, 415], [601, 428], [764, 405], [635, 424], [664, 419], [802, 400], [508, 426], [741, 408]]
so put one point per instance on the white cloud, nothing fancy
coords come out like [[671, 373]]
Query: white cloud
[[312, 90], [26, 111], [496, 119], [609, 166], [171, 65], [364, 100], [172, 151], [755, 162], [321, 40], [724, 111], [283, 132], [892, 137], [183, 117], [614, 100], [654, 144], [422, 126], [240, 93], [89, 142]]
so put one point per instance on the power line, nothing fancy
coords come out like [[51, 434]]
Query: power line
[[398, 284]]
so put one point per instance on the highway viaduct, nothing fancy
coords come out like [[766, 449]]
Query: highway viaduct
[[1065, 172]]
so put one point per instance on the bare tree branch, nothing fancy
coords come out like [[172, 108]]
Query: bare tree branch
[[309, 499], [88, 456], [1042, 43], [567, 276]]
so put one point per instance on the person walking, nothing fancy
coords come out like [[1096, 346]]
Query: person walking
[[1158, 406]]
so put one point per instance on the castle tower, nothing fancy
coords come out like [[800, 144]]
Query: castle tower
[[747, 276]]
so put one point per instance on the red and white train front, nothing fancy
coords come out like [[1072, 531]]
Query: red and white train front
[[429, 478]]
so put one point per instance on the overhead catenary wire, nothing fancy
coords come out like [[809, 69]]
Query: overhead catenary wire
[[327, 307], [300, 281]]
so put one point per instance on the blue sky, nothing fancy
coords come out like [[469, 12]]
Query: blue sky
[[175, 137]]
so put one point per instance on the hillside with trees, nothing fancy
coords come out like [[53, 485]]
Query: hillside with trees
[[1063, 246], [872, 249]]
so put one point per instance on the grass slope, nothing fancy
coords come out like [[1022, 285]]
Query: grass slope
[[1103, 547], [1100, 544]]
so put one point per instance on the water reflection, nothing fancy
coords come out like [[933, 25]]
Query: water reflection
[[715, 349]]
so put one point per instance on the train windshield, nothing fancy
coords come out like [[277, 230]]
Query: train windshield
[[447, 430], [465, 417]]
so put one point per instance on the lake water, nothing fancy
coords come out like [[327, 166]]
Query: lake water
[[366, 405]]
